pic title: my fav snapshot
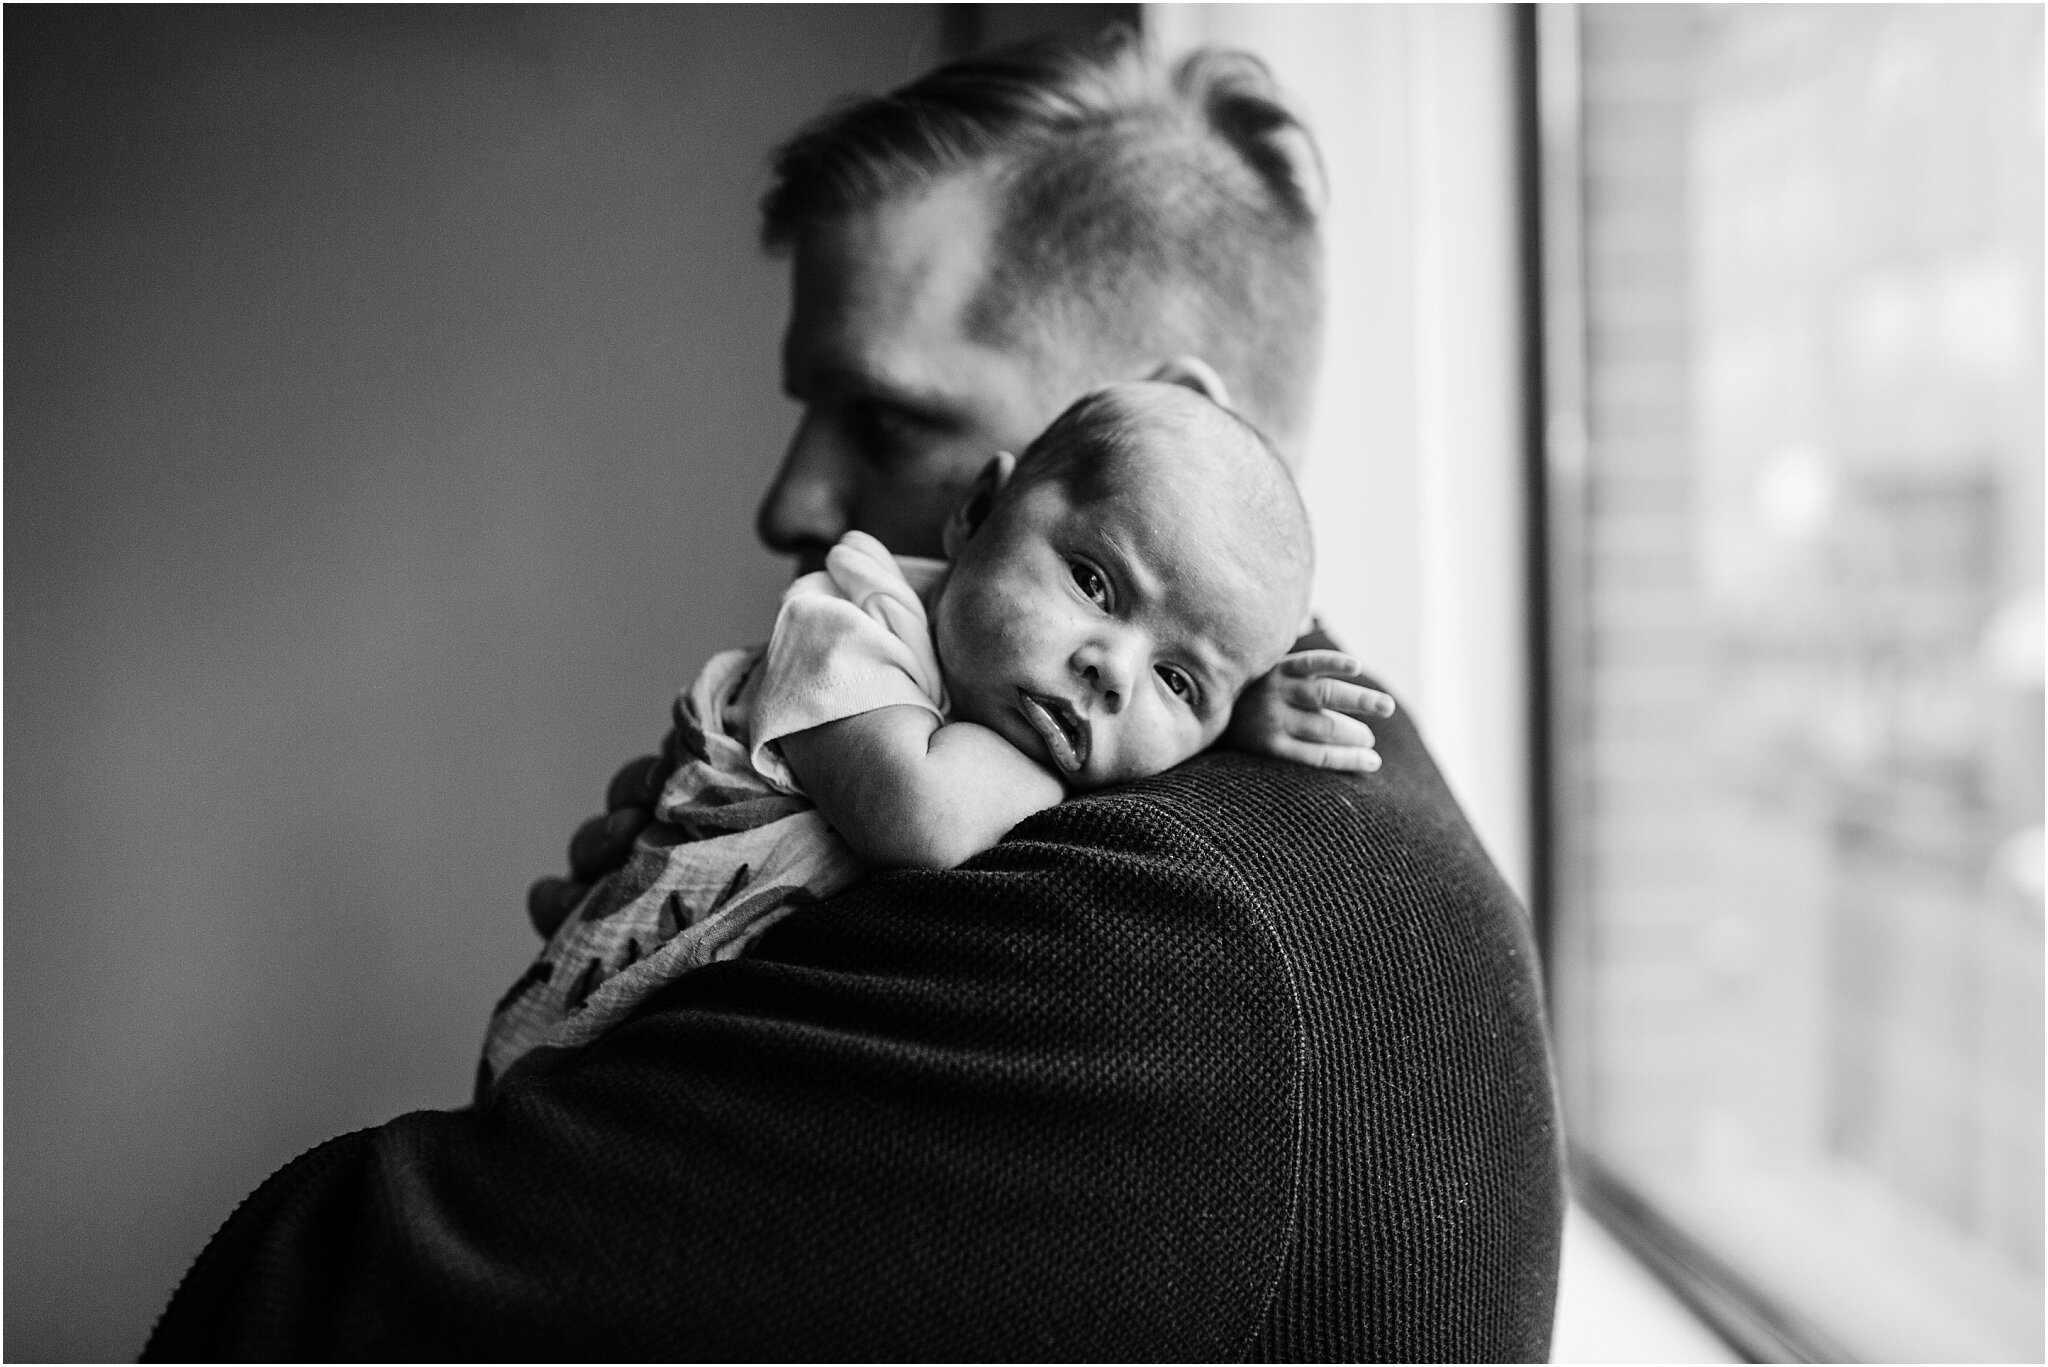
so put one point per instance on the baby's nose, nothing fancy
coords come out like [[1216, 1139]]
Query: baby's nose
[[1105, 670], [1112, 697]]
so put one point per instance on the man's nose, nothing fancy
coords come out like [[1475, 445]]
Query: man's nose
[[1107, 664], [805, 510]]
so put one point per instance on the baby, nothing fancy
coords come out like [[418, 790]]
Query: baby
[[1106, 600]]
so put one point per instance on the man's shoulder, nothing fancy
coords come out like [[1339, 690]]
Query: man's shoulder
[[1304, 991], [1342, 954], [1423, 1105], [1239, 827], [1243, 803]]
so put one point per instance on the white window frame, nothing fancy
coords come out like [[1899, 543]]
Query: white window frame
[[1415, 475]]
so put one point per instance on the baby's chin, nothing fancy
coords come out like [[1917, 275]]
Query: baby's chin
[[1090, 779]]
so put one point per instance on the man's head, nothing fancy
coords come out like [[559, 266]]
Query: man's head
[[977, 249], [1116, 588]]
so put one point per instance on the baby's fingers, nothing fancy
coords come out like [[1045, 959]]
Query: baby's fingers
[[1345, 759], [1328, 728], [1337, 681], [1305, 664], [1330, 695], [1354, 699]]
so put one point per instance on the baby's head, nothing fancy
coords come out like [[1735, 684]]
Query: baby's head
[[1116, 588]]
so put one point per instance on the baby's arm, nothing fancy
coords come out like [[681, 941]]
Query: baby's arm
[[1311, 708], [905, 789]]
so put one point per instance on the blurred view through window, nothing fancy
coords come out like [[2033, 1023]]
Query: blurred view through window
[[1799, 689]]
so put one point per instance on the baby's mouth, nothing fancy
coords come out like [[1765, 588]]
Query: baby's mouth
[[1064, 733]]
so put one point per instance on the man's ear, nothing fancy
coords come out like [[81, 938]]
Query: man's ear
[[1192, 372], [970, 512]]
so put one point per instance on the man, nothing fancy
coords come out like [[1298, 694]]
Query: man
[[1242, 1061]]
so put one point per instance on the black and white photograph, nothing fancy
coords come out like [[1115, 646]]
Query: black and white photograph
[[1060, 683]]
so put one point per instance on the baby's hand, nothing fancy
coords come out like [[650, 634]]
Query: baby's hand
[[1310, 709]]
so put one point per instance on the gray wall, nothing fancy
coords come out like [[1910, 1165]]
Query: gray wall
[[387, 397]]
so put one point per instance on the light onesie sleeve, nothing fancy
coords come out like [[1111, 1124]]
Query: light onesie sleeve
[[850, 638]]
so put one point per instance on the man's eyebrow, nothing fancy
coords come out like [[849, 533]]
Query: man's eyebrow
[[838, 378]]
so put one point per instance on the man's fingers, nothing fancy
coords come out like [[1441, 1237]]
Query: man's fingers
[[550, 900], [602, 843], [638, 784]]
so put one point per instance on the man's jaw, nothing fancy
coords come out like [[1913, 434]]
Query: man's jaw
[[1062, 730]]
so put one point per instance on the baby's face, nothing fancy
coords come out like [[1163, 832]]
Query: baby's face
[[1108, 639]]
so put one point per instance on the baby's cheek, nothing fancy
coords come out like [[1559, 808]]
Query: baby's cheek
[[1168, 742], [971, 703], [1208, 733]]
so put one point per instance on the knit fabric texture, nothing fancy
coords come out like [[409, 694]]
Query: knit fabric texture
[[1242, 1062]]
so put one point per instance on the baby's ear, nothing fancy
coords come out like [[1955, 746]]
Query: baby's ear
[[1192, 372], [971, 511]]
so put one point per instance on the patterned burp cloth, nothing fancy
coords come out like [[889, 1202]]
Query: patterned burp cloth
[[727, 855]]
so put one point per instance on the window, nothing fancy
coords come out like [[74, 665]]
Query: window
[[1793, 339]]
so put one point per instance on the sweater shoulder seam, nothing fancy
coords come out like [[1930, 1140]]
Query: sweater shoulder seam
[[1297, 1082]]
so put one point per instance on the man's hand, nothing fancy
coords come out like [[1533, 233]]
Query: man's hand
[[1311, 709], [602, 843]]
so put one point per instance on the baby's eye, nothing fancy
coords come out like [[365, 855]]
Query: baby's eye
[[1091, 583], [1181, 684]]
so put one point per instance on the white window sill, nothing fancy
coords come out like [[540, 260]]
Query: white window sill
[[1611, 1309]]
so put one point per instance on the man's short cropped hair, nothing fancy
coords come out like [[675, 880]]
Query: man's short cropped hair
[[1152, 211]]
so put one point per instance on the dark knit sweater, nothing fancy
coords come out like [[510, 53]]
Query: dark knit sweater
[[1245, 1061]]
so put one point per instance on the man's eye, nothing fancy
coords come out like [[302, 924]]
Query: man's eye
[[1181, 684], [1091, 583], [883, 436]]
